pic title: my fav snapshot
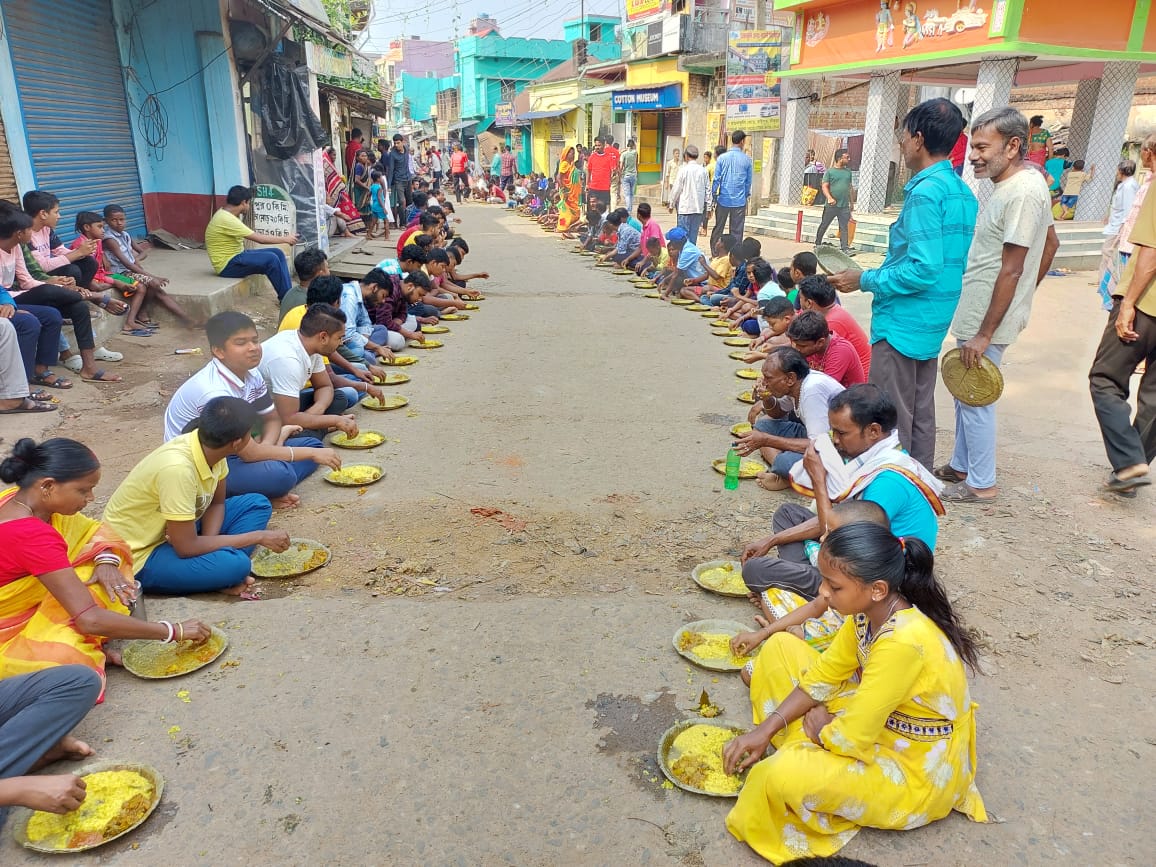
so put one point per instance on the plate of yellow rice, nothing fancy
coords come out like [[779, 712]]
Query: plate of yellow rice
[[724, 577], [300, 558], [392, 379], [355, 475], [707, 643], [159, 660], [365, 439], [690, 754], [383, 404], [748, 468]]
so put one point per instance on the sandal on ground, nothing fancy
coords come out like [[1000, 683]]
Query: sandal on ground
[[137, 332], [29, 405], [948, 473], [102, 354], [42, 396], [961, 493], [1122, 486], [102, 376], [74, 363], [50, 380]]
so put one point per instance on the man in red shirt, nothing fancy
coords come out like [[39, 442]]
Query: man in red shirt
[[459, 165], [824, 351], [815, 293], [356, 142], [599, 166]]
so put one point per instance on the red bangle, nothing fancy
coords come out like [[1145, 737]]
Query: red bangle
[[72, 620]]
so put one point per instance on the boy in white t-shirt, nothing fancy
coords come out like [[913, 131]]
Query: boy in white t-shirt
[[278, 459]]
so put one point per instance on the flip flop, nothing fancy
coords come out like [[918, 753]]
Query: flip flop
[[29, 405], [1123, 486], [100, 376], [42, 396], [138, 332], [961, 493], [948, 473], [50, 380]]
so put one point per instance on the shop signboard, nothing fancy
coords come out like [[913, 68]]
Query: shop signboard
[[636, 10], [647, 98], [754, 60], [504, 114], [273, 211]]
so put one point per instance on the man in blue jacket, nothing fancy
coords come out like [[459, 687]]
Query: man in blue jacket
[[917, 287], [734, 176]]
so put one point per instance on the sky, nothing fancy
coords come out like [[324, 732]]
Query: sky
[[435, 19]]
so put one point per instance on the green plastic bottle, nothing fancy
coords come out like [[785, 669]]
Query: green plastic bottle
[[732, 468]]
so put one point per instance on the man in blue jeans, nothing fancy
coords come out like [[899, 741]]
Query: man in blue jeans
[[171, 509], [277, 460], [225, 238]]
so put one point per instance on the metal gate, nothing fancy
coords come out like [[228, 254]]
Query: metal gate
[[8, 191], [75, 110]]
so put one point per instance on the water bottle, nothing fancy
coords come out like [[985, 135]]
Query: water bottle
[[732, 474]]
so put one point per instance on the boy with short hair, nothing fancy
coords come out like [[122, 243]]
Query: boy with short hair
[[688, 261], [824, 350], [273, 463], [56, 259], [225, 238], [776, 315], [308, 264], [171, 509], [364, 340], [650, 227], [122, 252], [1073, 184], [628, 243]]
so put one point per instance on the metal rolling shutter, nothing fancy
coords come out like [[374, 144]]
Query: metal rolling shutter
[[672, 122], [74, 109], [8, 190]]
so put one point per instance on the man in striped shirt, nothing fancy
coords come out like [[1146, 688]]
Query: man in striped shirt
[[917, 287]]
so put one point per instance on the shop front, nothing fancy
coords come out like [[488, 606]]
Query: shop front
[[655, 119]]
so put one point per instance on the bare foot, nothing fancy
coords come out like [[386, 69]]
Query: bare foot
[[242, 588], [67, 747], [772, 482], [114, 657], [289, 501]]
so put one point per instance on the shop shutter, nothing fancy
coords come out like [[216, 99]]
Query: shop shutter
[[74, 108], [8, 191], [672, 122]]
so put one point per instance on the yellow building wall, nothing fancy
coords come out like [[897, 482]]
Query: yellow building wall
[[665, 70], [551, 96]]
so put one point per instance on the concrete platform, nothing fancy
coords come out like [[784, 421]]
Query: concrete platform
[[1079, 242]]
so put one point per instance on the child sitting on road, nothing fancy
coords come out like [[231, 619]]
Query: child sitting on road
[[718, 272], [777, 315], [628, 240]]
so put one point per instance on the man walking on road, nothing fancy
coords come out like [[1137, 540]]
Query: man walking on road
[[600, 165], [917, 287], [629, 175], [1013, 248], [1128, 340], [837, 199], [395, 162], [459, 168], [688, 196], [734, 177]]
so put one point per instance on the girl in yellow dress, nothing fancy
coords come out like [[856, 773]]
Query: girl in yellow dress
[[879, 730]]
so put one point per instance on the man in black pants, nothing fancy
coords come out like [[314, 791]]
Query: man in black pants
[[53, 256], [837, 199], [16, 229], [395, 162]]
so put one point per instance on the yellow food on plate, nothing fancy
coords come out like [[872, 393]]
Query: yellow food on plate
[[454, 317], [427, 344], [300, 557], [741, 429], [391, 379], [698, 308], [472, 307], [434, 329], [113, 803], [725, 579], [390, 401], [355, 475], [400, 360], [738, 355], [737, 341], [697, 755], [156, 659], [681, 302], [709, 314], [747, 397], [748, 373], [711, 647], [365, 439], [748, 469], [651, 295]]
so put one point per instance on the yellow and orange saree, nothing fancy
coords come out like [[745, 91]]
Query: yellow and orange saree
[[570, 190], [35, 630]]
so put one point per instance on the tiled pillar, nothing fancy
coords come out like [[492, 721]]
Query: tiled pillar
[[1106, 137], [992, 90], [1087, 92], [878, 142], [796, 116]]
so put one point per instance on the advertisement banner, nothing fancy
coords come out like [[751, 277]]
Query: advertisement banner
[[273, 211], [639, 9], [504, 114], [647, 98], [754, 59], [325, 61]]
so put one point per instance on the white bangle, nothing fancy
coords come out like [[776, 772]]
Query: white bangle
[[109, 558], [168, 638], [291, 454]]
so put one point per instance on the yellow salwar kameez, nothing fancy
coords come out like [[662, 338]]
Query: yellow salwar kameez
[[36, 632], [899, 754]]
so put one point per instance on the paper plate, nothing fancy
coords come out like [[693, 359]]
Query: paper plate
[[429, 344], [603, 264], [399, 360], [748, 373], [730, 332], [434, 329], [977, 386], [737, 341], [747, 397], [365, 439], [741, 429], [709, 314], [649, 284], [391, 379], [300, 558], [589, 253], [699, 308], [474, 298], [833, 260], [390, 401], [708, 576], [472, 307], [651, 295], [621, 272], [344, 481], [738, 354], [668, 754], [681, 302], [454, 317], [156, 660], [748, 468], [22, 815], [729, 628]]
